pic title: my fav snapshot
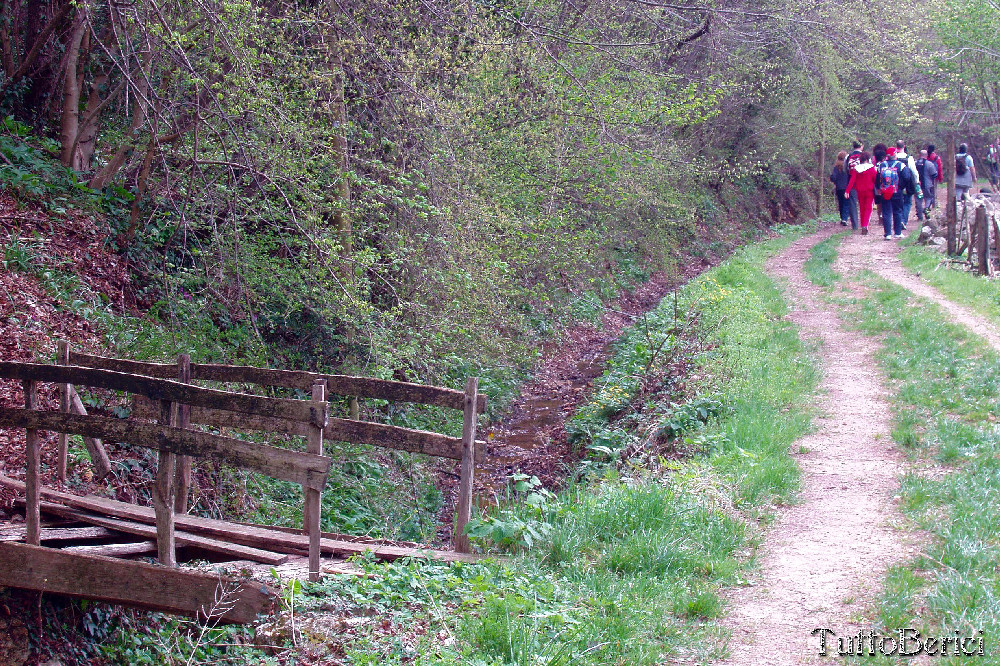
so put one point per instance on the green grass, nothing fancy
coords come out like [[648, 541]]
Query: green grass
[[960, 286], [626, 566], [948, 400], [819, 266]]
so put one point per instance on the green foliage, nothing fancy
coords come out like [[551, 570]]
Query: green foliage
[[367, 493], [628, 568], [507, 527]]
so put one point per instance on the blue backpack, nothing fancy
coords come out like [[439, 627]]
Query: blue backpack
[[888, 176]]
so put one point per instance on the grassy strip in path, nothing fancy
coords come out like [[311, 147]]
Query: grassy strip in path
[[624, 567], [819, 266], [948, 400]]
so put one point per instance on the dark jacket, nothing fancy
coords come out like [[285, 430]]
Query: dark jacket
[[840, 177]]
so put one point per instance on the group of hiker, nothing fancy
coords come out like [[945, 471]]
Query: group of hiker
[[890, 180]]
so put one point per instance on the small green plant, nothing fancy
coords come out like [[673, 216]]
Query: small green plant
[[509, 529]]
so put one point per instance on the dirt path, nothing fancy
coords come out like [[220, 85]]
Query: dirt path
[[825, 558], [885, 262]]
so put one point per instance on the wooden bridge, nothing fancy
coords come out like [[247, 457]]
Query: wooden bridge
[[166, 394]]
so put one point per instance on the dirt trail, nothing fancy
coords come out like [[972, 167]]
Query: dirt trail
[[885, 262], [825, 558]]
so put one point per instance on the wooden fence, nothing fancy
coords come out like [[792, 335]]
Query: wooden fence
[[182, 403]]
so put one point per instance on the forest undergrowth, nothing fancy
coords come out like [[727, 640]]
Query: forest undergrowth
[[624, 565]]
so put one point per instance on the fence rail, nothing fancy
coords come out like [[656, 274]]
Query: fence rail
[[164, 393]]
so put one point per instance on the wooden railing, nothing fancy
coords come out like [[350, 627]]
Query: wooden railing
[[182, 403], [170, 438]]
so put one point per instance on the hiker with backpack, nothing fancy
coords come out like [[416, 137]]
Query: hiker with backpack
[[909, 181], [840, 177], [887, 172], [993, 162], [862, 186], [852, 161], [934, 157], [965, 172], [927, 172]]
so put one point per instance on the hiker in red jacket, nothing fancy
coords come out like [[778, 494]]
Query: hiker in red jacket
[[863, 180], [853, 159]]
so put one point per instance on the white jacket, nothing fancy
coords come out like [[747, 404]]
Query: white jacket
[[910, 162]]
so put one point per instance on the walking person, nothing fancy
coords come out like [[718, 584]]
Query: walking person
[[840, 177], [862, 186], [927, 171], [852, 161], [934, 157], [887, 185], [965, 172], [993, 162], [909, 181]]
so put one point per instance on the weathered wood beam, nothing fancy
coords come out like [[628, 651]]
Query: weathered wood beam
[[59, 533], [164, 389], [182, 538], [32, 474], [338, 430], [365, 387], [114, 549], [95, 447], [195, 594], [464, 509], [260, 537], [295, 466]]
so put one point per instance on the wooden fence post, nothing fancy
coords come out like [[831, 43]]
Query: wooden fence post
[[183, 477], [951, 214], [312, 511], [62, 358], [468, 466], [163, 494], [32, 484], [983, 236]]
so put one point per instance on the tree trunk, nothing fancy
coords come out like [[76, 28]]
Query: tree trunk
[[70, 124], [86, 140], [822, 156]]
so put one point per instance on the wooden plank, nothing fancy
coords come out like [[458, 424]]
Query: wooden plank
[[163, 494], [133, 584], [98, 455], [312, 509], [33, 482], [164, 389], [114, 549], [58, 533], [295, 466], [159, 370], [62, 358], [396, 437], [949, 178], [182, 538], [183, 479], [363, 387], [464, 509], [339, 536], [342, 430], [983, 236], [253, 536]]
